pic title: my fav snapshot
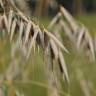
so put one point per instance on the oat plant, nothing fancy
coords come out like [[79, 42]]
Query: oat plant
[[75, 31], [25, 35]]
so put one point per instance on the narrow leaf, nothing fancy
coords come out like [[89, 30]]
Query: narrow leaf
[[33, 40], [89, 39], [13, 27], [56, 40], [10, 17], [69, 18], [80, 37], [54, 48], [5, 21], [55, 19], [63, 65], [21, 29], [27, 32]]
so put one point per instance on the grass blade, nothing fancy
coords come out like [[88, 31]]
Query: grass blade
[[13, 27]]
